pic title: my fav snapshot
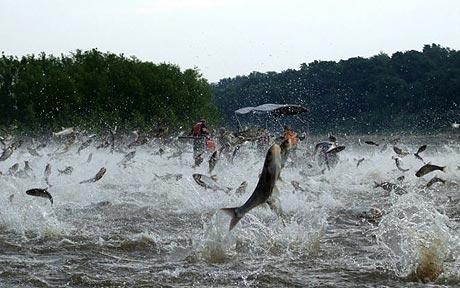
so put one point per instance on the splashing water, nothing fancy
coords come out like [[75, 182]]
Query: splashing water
[[132, 228]]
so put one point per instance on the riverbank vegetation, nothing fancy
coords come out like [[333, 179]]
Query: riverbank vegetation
[[94, 89]]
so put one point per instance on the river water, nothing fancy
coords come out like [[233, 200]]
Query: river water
[[138, 228]]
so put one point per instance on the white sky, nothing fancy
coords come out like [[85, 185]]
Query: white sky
[[225, 38]]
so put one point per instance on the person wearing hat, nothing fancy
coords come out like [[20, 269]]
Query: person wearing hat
[[199, 129]]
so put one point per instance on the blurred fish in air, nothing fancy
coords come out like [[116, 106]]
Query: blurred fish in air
[[67, 170], [128, 157], [420, 150], [297, 186], [388, 186], [90, 157], [359, 162], [398, 165], [168, 176], [97, 177], [242, 188], [84, 145], [209, 183], [399, 151], [213, 161], [64, 132], [47, 173], [13, 169], [401, 178], [198, 160], [371, 143], [6, 153], [435, 180]]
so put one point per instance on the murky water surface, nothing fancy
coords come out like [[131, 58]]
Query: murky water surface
[[137, 227]]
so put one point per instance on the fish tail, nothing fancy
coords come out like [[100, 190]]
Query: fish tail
[[51, 199], [235, 217], [376, 185], [444, 169]]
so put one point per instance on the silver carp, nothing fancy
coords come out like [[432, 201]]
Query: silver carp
[[209, 183], [427, 168], [264, 188], [97, 177], [38, 192]]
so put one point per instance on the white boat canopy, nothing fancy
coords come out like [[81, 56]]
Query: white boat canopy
[[276, 109]]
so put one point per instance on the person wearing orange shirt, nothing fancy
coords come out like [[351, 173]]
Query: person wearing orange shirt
[[291, 136], [200, 133]]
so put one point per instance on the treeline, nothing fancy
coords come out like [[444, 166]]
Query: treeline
[[95, 90], [409, 91]]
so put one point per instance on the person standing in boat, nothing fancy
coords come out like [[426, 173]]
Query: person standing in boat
[[200, 133]]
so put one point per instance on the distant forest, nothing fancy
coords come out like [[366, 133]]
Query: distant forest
[[97, 90], [407, 91]]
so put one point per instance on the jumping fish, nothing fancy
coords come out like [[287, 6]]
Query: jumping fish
[[237, 148], [67, 170], [27, 167], [84, 145], [213, 161], [97, 177], [296, 186], [168, 176], [427, 168], [209, 183], [399, 151], [388, 186], [90, 157], [64, 132], [371, 143], [242, 188], [6, 153], [128, 157], [198, 160], [47, 173], [434, 180], [420, 150], [13, 169], [264, 188], [37, 192], [398, 165]]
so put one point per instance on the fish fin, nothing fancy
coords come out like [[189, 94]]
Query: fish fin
[[214, 177], [235, 218], [275, 206], [281, 179]]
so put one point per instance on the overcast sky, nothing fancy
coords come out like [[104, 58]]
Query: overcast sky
[[225, 38]]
